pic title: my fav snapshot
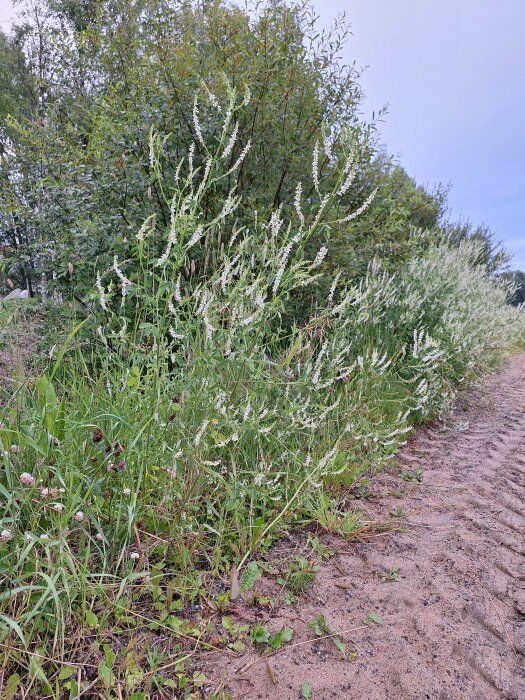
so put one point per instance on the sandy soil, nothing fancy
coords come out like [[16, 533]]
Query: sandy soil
[[453, 626]]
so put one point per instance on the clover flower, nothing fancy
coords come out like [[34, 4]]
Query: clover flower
[[15, 449], [6, 536], [48, 493], [27, 479], [134, 555], [79, 516], [58, 507]]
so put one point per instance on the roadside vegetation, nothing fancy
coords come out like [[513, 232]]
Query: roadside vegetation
[[257, 308]]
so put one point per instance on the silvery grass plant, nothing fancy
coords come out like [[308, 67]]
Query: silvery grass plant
[[200, 424]]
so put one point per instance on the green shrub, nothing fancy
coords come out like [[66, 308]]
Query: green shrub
[[196, 423]]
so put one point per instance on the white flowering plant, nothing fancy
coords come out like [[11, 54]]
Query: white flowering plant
[[199, 421]]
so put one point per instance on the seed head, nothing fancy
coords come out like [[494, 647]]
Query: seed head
[[97, 435]]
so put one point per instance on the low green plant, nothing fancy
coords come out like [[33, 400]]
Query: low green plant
[[372, 617], [327, 513], [320, 549], [415, 476], [306, 690], [194, 422], [261, 636], [321, 628], [390, 576], [299, 575]]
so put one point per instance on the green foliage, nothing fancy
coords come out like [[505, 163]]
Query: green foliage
[[306, 690], [322, 629], [390, 576], [516, 278], [192, 422], [255, 327], [103, 92], [299, 575], [372, 617]]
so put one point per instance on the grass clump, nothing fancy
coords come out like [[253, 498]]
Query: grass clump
[[196, 422]]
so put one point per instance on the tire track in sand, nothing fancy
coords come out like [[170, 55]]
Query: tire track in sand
[[454, 624]]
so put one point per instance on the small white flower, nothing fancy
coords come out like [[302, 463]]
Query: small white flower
[[126, 283], [126, 492], [27, 479], [99, 536], [44, 536], [44, 492], [79, 516], [58, 507], [15, 449], [231, 142], [134, 555], [6, 535], [196, 122], [315, 166]]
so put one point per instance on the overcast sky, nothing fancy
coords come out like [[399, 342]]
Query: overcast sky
[[453, 73]]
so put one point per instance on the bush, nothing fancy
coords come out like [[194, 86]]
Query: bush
[[197, 422]]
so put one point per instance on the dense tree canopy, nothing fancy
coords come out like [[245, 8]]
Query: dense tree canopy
[[83, 83]]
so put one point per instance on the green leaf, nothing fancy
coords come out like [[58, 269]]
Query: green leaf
[[199, 679], [284, 635], [106, 675], [66, 672], [72, 686], [250, 576], [339, 644], [91, 619], [260, 634], [372, 617], [11, 686], [110, 656], [14, 626], [306, 690], [228, 624], [238, 646], [287, 634]]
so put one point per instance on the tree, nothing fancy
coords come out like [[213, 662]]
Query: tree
[[517, 279], [138, 65]]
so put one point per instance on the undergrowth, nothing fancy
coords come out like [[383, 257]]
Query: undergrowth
[[151, 461]]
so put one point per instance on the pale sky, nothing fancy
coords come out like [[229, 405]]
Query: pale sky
[[453, 73]]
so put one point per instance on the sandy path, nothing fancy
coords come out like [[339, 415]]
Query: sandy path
[[454, 624]]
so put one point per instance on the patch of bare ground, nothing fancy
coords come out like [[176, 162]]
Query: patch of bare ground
[[453, 625]]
